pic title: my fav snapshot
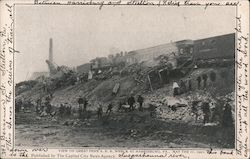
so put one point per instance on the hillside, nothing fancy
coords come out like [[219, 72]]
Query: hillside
[[101, 90], [171, 123]]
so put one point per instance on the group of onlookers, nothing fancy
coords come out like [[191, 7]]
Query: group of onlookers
[[188, 85]]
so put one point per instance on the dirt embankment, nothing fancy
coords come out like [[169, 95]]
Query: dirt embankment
[[173, 124], [101, 91]]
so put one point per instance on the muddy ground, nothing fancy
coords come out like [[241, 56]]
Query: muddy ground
[[122, 129]]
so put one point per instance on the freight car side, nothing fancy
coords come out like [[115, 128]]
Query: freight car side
[[219, 47]]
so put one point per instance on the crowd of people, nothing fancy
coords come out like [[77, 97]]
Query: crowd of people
[[65, 109], [212, 113], [188, 85], [44, 107], [208, 108], [83, 104]]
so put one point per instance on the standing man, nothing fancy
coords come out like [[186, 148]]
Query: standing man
[[183, 86], [85, 104], [61, 110], [227, 118], [47, 105], [49, 108], [44, 86], [131, 102], [199, 82], [206, 112], [204, 76], [110, 106], [189, 84], [195, 109], [80, 104], [38, 105], [69, 110], [140, 101], [99, 111], [176, 89]]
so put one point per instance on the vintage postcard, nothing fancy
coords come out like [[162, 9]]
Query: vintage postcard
[[125, 79]]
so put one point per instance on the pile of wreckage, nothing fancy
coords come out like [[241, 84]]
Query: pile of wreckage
[[63, 76], [182, 107], [154, 77]]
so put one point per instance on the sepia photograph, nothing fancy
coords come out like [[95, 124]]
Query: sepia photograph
[[125, 76]]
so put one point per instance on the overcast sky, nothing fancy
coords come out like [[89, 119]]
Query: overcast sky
[[81, 33]]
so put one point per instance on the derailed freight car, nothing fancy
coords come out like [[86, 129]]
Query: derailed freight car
[[218, 49], [182, 55]]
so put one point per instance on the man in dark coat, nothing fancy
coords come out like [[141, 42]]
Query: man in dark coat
[[189, 84], [204, 76], [110, 106], [183, 86], [80, 104], [131, 102], [68, 110], [140, 101], [49, 108], [199, 82], [195, 109], [206, 112], [85, 104], [227, 119], [61, 110], [99, 111], [38, 105]]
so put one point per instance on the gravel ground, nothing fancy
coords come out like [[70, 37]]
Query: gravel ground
[[133, 129]]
